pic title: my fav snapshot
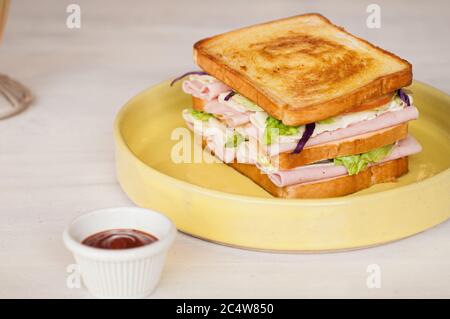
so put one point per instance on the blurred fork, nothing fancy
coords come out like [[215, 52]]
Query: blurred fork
[[17, 96]]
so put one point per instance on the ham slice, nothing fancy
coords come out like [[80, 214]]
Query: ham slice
[[205, 91], [217, 108], [216, 145], [230, 116], [383, 121], [237, 120], [316, 172], [252, 131], [247, 153]]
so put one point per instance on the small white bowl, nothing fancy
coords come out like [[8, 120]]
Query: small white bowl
[[120, 273]]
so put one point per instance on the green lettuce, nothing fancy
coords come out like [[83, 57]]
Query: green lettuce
[[249, 105], [326, 121], [357, 163], [234, 140], [275, 127], [202, 116]]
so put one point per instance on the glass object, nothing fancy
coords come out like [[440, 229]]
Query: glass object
[[14, 97]]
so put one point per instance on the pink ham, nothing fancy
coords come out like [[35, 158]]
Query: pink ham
[[217, 108], [204, 91], [383, 121], [247, 153], [307, 173], [231, 116], [237, 120], [252, 131], [216, 145], [315, 172], [405, 147]]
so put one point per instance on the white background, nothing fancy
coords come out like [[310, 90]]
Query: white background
[[57, 160]]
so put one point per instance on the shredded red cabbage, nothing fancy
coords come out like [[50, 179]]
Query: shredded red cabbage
[[309, 130], [229, 95], [186, 74], [403, 96]]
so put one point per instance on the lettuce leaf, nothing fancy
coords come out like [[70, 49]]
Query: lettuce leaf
[[275, 127], [353, 163], [249, 105], [357, 163], [327, 121], [202, 116], [377, 154]]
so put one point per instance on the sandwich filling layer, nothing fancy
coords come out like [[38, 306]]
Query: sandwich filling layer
[[328, 169], [236, 129]]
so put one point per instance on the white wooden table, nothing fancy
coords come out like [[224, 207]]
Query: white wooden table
[[57, 160]]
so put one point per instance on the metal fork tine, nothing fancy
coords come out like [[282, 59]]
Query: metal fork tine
[[7, 95], [17, 95]]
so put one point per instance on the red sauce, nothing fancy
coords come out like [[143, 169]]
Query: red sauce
[[119, 239]]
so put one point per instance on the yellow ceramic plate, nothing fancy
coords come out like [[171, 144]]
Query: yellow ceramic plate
[[214, 202]]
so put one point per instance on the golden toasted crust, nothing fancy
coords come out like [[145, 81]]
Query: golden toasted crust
[[338, 186], [302, 69], [198, 104]]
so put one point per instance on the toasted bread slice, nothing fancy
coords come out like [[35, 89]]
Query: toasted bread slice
[[349, 146], [333, 187], [302, 69], [198, 104]]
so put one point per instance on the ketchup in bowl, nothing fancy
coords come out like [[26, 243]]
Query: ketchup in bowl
[[119, 239]]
